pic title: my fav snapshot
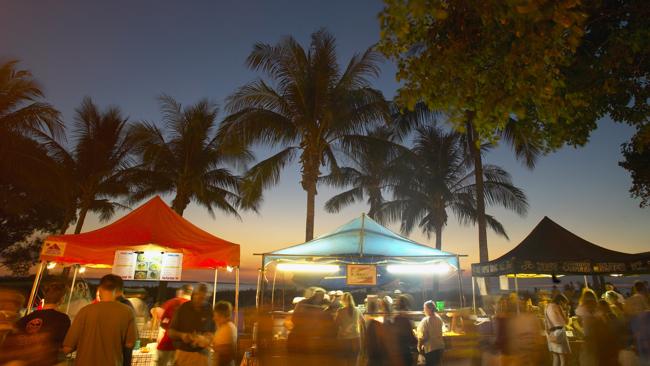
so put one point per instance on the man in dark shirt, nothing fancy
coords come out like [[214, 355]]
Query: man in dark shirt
[[192, 328], [166, 350], [48, 322]]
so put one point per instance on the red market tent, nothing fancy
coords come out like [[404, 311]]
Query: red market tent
[[152, 224]]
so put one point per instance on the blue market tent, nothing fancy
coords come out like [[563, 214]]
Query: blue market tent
[[360, 241]]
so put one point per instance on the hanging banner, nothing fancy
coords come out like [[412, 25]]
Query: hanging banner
[[503, 283], [148, 265], [53, 249], [361, 275]]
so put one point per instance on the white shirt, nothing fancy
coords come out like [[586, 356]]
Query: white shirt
[[555, 315], [430, 333]]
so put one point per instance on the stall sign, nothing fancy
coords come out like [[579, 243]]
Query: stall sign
[[148, 265], [361, 275], [53, 249]]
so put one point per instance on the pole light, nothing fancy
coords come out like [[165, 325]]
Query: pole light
[[421, 269], [308, 267]]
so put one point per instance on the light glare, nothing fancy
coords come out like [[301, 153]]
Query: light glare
[[51, 265], [437, 268], [307, 267], [82, 269]]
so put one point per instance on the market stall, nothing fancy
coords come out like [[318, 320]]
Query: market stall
[[150, 243], [360, 254]]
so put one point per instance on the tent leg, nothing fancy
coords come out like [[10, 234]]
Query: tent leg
[[237, 297], [460, 283], [37, 280], [474, 294], [586, 282], [517, 291], [257, 291], [273, 290], [74, 279], [214, 287]]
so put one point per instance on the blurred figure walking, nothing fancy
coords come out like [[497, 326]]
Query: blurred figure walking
[[430, 341]]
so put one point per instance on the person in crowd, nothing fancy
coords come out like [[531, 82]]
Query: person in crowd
[[555, 320], [165, 349], [48, 321], [638, 302], [313, 328], [429, 334], [224, 342], [101, 331], [192, 328], [10, 303], [640, 327], [139, 305], [616, 306], [613, 291], [401, 340], [349, 325], [374, 339], [593, 327]]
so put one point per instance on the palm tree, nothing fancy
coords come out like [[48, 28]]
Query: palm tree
[[186, 158], [437, 176], [21, 110], [369, 174], [311, 104], [95, 171]]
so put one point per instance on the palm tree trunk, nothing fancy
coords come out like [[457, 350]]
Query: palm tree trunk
[[180, 202], [436, 280], [474, 147], [439, 238], [311, 198], [82, 218]]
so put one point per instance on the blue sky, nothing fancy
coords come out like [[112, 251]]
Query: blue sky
[[128, 52]]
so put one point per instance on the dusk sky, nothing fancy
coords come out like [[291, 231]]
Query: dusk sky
[[127, 52]]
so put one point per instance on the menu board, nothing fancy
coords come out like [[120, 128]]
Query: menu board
[[362, 274], [148, 265]]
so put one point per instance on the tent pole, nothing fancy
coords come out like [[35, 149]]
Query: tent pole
[[586, 282], [474, 294], [460, 282], [257, 291], [214, 287], [37, 280], [237, 296], [74, 279], [275, 272], [517, 292], [284, 286]]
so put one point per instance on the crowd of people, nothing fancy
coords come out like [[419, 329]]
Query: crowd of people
[[325, 328], [105, 331]]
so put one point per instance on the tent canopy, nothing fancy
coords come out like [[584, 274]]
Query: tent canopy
[[552, 249], [152, 226], [362, 240]]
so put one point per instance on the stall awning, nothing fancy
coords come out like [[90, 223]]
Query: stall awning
[[552, 249], [152, 225], [363, 240]]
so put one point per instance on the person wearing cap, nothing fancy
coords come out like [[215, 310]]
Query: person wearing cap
[[192, 329], [165, 350], [48, 322]]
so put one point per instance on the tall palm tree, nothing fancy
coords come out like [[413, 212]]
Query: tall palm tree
[[95, 171], [310, 105], [21, 108], [187, 159], [437, 176]]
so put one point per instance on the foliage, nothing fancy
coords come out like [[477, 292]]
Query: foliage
[[555, 66], [436, 175], [186, 158], [307, 105], [21, 256], [94, 172], [637, 161]]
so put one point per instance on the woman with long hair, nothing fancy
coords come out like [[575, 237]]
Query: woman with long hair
[[349, 323], [555, 320]]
